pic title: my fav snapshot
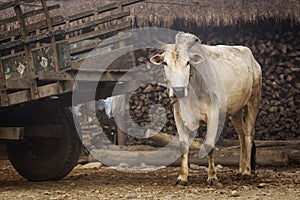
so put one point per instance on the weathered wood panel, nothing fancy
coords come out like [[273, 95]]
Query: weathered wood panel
[[48, 90], [19, 97], [11, 133], [30, 39], [3, 94], [15, 65], [36, 63], [99, 21], [102, 9], [17, 84], [28, 14], [12, 3], [58, 20], [100, 32]]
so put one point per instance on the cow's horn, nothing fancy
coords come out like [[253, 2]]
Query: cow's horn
[[186, 38]]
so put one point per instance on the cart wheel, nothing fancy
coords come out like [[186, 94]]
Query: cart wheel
[[47, 159]]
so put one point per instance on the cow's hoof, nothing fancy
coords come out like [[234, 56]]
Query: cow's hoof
[[212, 181], [181, 182]]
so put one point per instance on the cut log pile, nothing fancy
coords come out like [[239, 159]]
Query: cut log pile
[[143, 109], [277, 49]]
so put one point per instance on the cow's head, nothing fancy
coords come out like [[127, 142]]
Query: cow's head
[[177, 60]]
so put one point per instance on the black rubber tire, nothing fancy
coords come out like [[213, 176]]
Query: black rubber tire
[[47, 159]]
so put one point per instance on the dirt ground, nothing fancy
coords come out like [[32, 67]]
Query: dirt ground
[[106, 183]]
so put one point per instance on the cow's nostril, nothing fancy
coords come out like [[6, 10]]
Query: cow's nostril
[[179, 92]]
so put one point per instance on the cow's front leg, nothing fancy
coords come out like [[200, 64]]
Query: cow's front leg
[[212, 172], [184, 171], [184, 147]]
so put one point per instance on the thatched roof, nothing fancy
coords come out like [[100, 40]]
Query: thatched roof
[[204, 12], [217, 12]]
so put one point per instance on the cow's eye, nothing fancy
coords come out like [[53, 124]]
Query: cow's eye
[[188, 63], [165, 63]]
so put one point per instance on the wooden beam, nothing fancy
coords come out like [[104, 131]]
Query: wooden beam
[[33, 49], [99, 21], [50, 28], [30, 39], [57, 20], [48, 90], [100, 32], [28, 14], [83, 48], [30, 63], [53, 42], [11, 133], [115, 5], [101, 9], [3, 94], [47, 131], [13, 3], [54, 76], [17, 84], [6, 5], [83, 76], [130, 2], [19, 97]]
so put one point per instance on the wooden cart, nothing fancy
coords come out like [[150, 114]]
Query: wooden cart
[[39, 62]]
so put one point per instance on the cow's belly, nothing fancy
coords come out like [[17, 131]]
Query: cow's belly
[[237, 99]]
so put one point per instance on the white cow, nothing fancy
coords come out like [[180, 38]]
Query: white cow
[[238, 72]]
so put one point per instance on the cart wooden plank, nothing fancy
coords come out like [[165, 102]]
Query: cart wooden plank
[[57, 20], [102, 9], [3, 94], [84, 48], [48, 90], [18, 84], [99, 21], [11, 133], [19, 97], [30, 39], [100, 32], [28, 14]]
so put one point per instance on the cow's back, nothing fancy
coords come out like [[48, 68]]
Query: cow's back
[[238, 70]]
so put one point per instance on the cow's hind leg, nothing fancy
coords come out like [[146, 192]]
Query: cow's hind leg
[[238, 123], [244, 122], [184, 147]]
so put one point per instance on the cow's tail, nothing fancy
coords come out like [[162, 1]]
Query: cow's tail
[[253, 158]]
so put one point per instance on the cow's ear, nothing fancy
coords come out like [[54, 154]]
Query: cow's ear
[[196, 58], [157, 59]]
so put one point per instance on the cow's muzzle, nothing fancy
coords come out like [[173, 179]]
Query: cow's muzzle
[[179, 92]]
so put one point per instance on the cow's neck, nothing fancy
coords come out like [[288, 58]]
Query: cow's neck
[[193, 108]]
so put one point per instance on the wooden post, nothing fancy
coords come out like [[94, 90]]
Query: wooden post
[[53, 42], [3, 94], [38, 44], [66, 27], [120, 9], [96, 27], [12, 51], [30, 63]]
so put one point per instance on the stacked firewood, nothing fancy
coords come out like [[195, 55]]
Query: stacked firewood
[[280, 60], [151, 106], [277, 52], [279, 56]]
